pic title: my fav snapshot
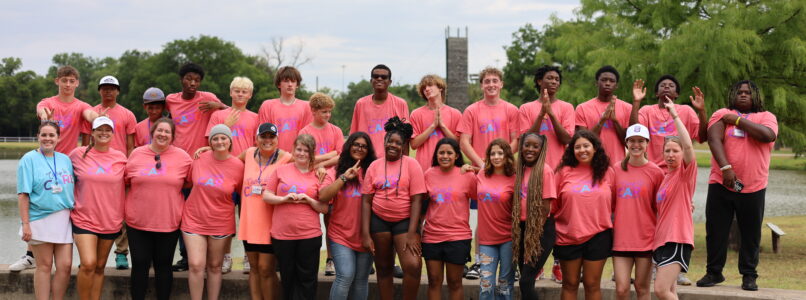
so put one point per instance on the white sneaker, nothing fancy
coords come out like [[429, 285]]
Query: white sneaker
[[25, 262], [246, 266], [226, 267], [682, 279]]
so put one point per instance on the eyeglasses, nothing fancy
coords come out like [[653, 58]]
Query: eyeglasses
[[159, 162], [380, 76], [361, 146]]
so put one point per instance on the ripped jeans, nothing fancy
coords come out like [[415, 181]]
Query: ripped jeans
[[491, 257]]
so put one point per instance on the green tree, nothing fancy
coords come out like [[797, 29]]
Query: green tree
[[19, 93], [707, 43]]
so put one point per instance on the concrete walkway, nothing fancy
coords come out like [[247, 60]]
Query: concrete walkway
[[19, 285]]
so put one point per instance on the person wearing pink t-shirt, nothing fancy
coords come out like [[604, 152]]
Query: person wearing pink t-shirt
[[242, 122], [208, 218], [98, 213], [191, 109], [287, 112], [533, 232], [371, 112], [296, 236], [432, 121], [488, 119], [741, 138], [342, 187], [637, 180], [548, 115], [494, 189], [446, 229], [154, 105], [606, 115], [674, 233], [123, 141], [156, 174], [392, 193], [66, 110], [329, 138], [583, 214], [657, 119]]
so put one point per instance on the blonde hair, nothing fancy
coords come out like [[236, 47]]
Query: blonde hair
[[429, 80], [490, 71], [242, 83], [321, 101]]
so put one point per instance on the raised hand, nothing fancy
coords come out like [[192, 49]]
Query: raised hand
[[232, 118], [545, 102], [698, 100], [352, 172], [669, 104], [638, 91]]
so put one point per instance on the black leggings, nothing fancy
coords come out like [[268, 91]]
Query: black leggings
[[147, 247], [299, 265], [529, 271]]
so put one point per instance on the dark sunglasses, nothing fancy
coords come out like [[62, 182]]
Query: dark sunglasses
[[159, 162], [380, 76]]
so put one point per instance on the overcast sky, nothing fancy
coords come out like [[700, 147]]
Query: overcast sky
[[408, 36]]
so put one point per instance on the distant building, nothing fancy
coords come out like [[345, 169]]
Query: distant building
[[456, 69]]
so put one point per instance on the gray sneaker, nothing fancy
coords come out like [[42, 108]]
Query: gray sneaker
[[25, 262], [683, 280]]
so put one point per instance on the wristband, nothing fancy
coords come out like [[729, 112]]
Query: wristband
[[737, 121], [343, 178], [726, 167]]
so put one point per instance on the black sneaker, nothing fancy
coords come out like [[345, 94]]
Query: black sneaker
[[180, 266], [749, 283], [474, 272], [710, 280], [398, 272]]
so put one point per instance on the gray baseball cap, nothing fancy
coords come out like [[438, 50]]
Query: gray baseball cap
[[152, 95]]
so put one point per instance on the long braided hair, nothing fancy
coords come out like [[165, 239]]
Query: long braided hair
[[536, 212], [755, 96]]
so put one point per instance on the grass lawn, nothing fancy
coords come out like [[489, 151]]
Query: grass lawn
[[19, 146]]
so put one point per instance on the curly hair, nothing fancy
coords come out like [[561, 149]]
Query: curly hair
[[541, 72], [429, 80], [755, 96], [536, 212], [600, 161], [191, 68], [509, 158], [346, 160], [460, 160], [397, 126]]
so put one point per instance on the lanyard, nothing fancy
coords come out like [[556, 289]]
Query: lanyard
[[270, 161], [52, 170], [149, 128]]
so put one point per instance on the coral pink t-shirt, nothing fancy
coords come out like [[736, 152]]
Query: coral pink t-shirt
[[190, 121], [243, 132], [449, 205], [661, 125], [393, 183], [634, 216], [70, 119], [549, 187], [256, 214], [289, 119], [100, 190], [588, 115], [484, 123], [583, 209], [675, 224], [209, 209], [423, 117], [297, 221], [370, 117], [565, 114], [494, 195], [124, 125], [344, 225], [142, 133], [749, 157], [328, 138], [155, 200]]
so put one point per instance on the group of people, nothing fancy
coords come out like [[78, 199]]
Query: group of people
[[604, 179]]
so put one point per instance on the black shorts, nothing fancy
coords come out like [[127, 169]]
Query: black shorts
[[262, 248], [378, 225], [452, 252], [633, 254], [103, 236], [596, 248], [673, 253]]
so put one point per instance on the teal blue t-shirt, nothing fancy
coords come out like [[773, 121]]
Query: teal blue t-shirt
[[35, 177]]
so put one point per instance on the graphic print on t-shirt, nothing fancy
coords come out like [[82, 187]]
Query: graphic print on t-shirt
[[442, 195], [64, 120], [490, 195], [352, 191], [389, 183], [153, 171], [629, 190], [662, 128], [661, 195], [489, 126], [186, 117], [103, 168], [584, 187], [546, 126], [287, 124], [293, 187], [209, 179], [376, 125]]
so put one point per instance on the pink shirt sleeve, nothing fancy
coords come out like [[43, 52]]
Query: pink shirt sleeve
[[417, 180]]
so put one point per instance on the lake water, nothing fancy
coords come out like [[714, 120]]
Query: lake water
[[785, 196]]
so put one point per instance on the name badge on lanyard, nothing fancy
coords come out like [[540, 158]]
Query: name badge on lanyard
[[257, 189], [738, 132], [55, 189]]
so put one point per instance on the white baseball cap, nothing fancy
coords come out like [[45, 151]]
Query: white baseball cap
[[109, 80], [100, 121], [637, 130]]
